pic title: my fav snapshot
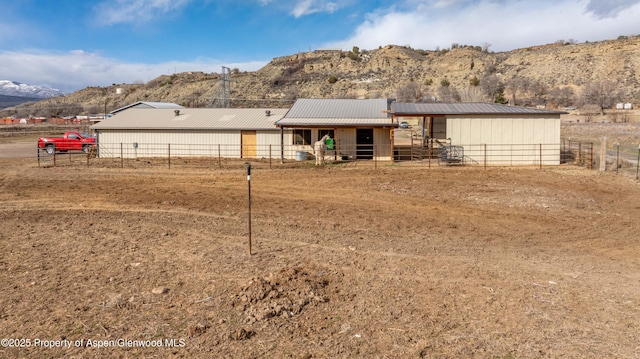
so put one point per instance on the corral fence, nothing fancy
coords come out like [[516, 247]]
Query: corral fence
[[175, 155], [623, 159], [579, 153]]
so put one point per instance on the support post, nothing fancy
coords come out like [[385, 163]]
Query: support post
[[281, 145], [121, 156], [375, 158], [169, 154]]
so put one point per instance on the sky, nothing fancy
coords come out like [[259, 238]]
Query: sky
[[73, 44]]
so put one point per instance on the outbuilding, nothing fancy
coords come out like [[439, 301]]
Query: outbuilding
[[484, 133], [360, 128], [225, 132]]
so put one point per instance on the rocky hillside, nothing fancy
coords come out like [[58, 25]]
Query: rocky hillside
[[529, 76]]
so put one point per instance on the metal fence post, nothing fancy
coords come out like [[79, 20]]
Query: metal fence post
[[121, 156], [375, 158], [638, 164], [617, 156], [248, 165], [541, 156], [169, 154], [485, 156]]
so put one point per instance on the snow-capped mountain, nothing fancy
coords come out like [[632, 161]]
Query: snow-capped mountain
[[12, 88]]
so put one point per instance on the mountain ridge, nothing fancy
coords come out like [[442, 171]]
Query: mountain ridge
[[18, 89], [549, 75]]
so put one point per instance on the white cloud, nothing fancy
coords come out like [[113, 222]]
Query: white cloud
[[78, 69], [135, 11], [308, 7], [504, 24], [610, 8]]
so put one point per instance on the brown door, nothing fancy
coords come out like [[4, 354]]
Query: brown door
[[248, 144]]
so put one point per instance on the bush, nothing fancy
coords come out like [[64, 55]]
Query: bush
[[332, 79]]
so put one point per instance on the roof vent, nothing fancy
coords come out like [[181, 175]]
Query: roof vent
[[177, 112], [267, 112]]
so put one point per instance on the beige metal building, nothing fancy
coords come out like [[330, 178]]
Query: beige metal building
[[487, 133], [361, 128], [225, 132]]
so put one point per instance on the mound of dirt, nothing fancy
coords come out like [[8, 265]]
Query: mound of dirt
[[286, 293]]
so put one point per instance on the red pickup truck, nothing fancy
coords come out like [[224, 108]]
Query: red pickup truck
[[72, 141]]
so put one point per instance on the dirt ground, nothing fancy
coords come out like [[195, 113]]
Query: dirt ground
[[347, 262]]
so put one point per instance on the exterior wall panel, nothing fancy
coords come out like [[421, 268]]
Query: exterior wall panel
[[507, 140], [186, 143], [382, 144], [346, 144]]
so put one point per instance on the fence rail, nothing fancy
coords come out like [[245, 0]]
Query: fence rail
[[227, 155]]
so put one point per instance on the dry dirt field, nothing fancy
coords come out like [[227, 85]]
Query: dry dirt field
[[347, 262]]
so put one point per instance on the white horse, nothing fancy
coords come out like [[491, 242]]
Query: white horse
[[319, 148]]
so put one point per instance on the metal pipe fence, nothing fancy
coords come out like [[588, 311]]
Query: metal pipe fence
[[175, 155]]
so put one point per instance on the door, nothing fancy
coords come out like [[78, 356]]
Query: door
[[248, 144], [364, 143]]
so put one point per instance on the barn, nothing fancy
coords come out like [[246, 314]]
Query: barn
[[483, 133], [225, 132], [361, 128]]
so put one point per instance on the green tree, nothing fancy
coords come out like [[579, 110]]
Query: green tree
[[499, 97]]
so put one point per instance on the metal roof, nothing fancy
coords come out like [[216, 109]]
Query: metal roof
[[338, 112], [193, 119], [465, 108], [148, 104]]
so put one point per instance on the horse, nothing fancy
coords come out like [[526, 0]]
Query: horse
[[319, 148]]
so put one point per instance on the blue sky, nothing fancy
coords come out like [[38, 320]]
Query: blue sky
[[73, 44]]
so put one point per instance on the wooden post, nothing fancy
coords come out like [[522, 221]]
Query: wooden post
[[375, 158], [281, 145]]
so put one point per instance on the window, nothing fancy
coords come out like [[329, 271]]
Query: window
[[324, 132], [301, 137]]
